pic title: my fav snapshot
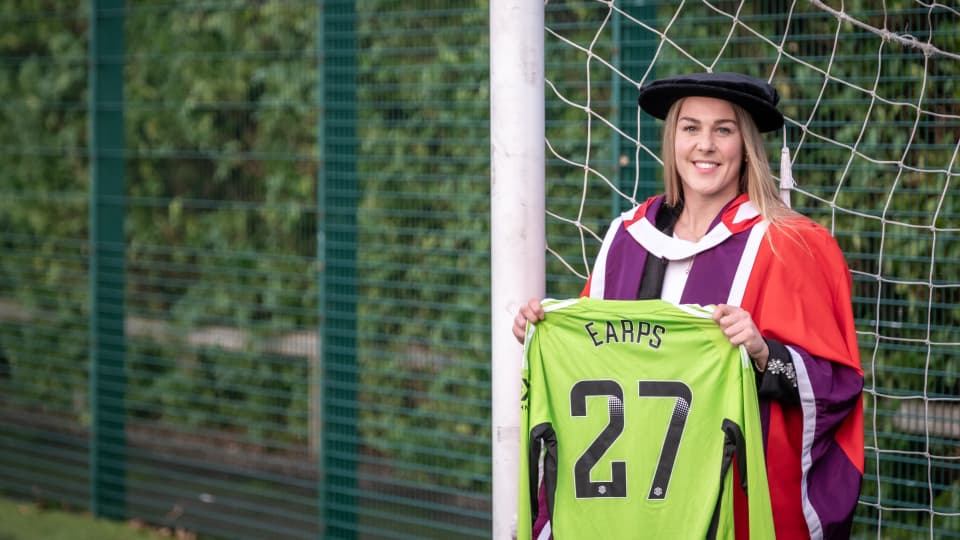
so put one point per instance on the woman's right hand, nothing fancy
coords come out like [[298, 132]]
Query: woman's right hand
[[531, 312]]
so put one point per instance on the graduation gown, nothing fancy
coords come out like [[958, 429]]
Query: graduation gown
[[796, 285]]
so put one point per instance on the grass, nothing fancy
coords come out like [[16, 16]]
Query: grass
[[25, 521]]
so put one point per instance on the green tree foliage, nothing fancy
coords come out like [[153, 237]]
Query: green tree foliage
[[43, 200], [221, 117], [424, 236]]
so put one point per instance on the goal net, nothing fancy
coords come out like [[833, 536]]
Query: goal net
[[871, 92]]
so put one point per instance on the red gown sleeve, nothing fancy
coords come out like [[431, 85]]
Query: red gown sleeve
[[799, 293]]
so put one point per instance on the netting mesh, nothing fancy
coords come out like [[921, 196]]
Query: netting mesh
[[870, 94]]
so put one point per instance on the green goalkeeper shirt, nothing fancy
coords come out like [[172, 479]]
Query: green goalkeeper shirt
[[632, 415]]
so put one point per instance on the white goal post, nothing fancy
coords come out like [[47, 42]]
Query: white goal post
[[517, 230]]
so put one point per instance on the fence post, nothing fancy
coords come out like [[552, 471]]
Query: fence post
[[107, 380], [337, 246], [634, 49]]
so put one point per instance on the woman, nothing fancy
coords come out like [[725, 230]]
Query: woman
[[720, 235]]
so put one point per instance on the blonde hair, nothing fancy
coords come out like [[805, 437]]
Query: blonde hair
[[756, 179]]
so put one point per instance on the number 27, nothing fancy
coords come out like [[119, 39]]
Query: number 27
[[617, 486]]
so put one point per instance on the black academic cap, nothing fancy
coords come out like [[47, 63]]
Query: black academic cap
[[756, 96]]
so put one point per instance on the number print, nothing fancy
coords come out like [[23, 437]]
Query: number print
[[586, 488], [617, 486], [671, 442]]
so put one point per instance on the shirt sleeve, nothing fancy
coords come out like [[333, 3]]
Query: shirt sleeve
[[779, 380]]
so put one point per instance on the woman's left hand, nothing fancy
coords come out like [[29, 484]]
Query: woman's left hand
[[738, 326]]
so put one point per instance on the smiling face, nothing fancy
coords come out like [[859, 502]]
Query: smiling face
[[708, 149]]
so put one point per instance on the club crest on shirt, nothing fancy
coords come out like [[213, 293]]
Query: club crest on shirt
[[524, 393]]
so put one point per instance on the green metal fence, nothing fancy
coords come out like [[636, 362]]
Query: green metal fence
[[192, 283], [244, 266]]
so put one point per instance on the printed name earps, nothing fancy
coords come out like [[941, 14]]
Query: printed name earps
[[627, 331]]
